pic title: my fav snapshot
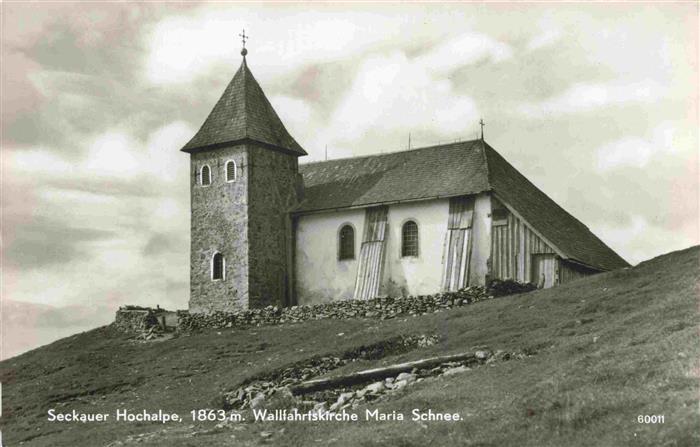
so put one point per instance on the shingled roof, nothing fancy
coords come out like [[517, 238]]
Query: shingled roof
[[243, 113], [439, 171], [450, 170], [569, 235]]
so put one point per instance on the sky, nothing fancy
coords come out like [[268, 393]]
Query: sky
[[597, 104]]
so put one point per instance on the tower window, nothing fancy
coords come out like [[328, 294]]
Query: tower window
[[409, 239], [230, 171], [346, 243], [218, 264], [205, 176]]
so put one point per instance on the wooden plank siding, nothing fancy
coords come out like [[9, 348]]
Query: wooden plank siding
[[514, 250], [504, 249], [369, 271], [458, 243], [570, 272], [512, 247], [545, 270]]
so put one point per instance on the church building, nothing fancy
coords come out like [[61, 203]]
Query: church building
[[267, 230]]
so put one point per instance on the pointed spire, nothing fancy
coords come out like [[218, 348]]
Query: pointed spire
[[243, 113]]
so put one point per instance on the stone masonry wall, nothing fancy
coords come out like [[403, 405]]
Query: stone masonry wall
[[131, 319], [219, 223], [377, 308], [272, 194]]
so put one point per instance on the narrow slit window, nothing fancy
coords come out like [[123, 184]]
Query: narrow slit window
[[346, 244], [409, 239], [230, 171], [205, 176], [217, 267]]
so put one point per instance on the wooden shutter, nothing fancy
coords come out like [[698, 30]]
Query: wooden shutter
[[458, 242], [369, 269]]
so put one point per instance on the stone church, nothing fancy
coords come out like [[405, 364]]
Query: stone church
[[267, 230]]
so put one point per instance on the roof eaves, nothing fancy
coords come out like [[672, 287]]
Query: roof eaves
[[300, 210], [583, 264], [510, 208], [239, 141]]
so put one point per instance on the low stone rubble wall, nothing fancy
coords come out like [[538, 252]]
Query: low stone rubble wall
[[137, 319], [378, 308]]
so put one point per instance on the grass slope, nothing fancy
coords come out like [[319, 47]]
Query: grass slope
[[607, 349]]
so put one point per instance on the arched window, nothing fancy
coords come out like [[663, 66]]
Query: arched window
[[230, 171], [218, 264], [409, 239], [346, 243], [205, 176]]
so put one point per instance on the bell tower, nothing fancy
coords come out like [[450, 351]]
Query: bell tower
[[244, 181]]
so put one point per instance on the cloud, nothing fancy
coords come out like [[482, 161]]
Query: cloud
[[164, 160], [632, 238], [68, 108], [111, 154], [294, 110], [161, 243], [394, 93], [93, 219], [297, 115], [628, 151], [182, 48], [546, 38], [202, 45], [636, 152], [586, 97], [465, 49], [40, 160], [44, 241]]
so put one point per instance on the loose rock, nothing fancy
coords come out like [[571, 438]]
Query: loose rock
[[376, 387], [258, 401], [407, 377], [455, 370]]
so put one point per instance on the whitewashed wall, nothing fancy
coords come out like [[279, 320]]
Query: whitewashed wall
[[481, 240], [320, 276], [419, 275]]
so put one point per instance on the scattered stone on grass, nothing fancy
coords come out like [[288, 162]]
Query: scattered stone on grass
[[342, 397]]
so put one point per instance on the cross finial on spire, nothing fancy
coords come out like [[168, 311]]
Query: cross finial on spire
[[482, 124], [244, 38]]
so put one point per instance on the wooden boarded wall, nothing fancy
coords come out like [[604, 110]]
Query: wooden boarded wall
[[371, 264], [512, 245], [458, 243], [569, 271]]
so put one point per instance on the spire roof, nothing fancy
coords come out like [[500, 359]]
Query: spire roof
[[243, 113]]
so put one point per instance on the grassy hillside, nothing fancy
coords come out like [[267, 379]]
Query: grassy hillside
[[604, 350]]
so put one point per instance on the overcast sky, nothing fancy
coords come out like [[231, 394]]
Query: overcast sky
[[596, 104]]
